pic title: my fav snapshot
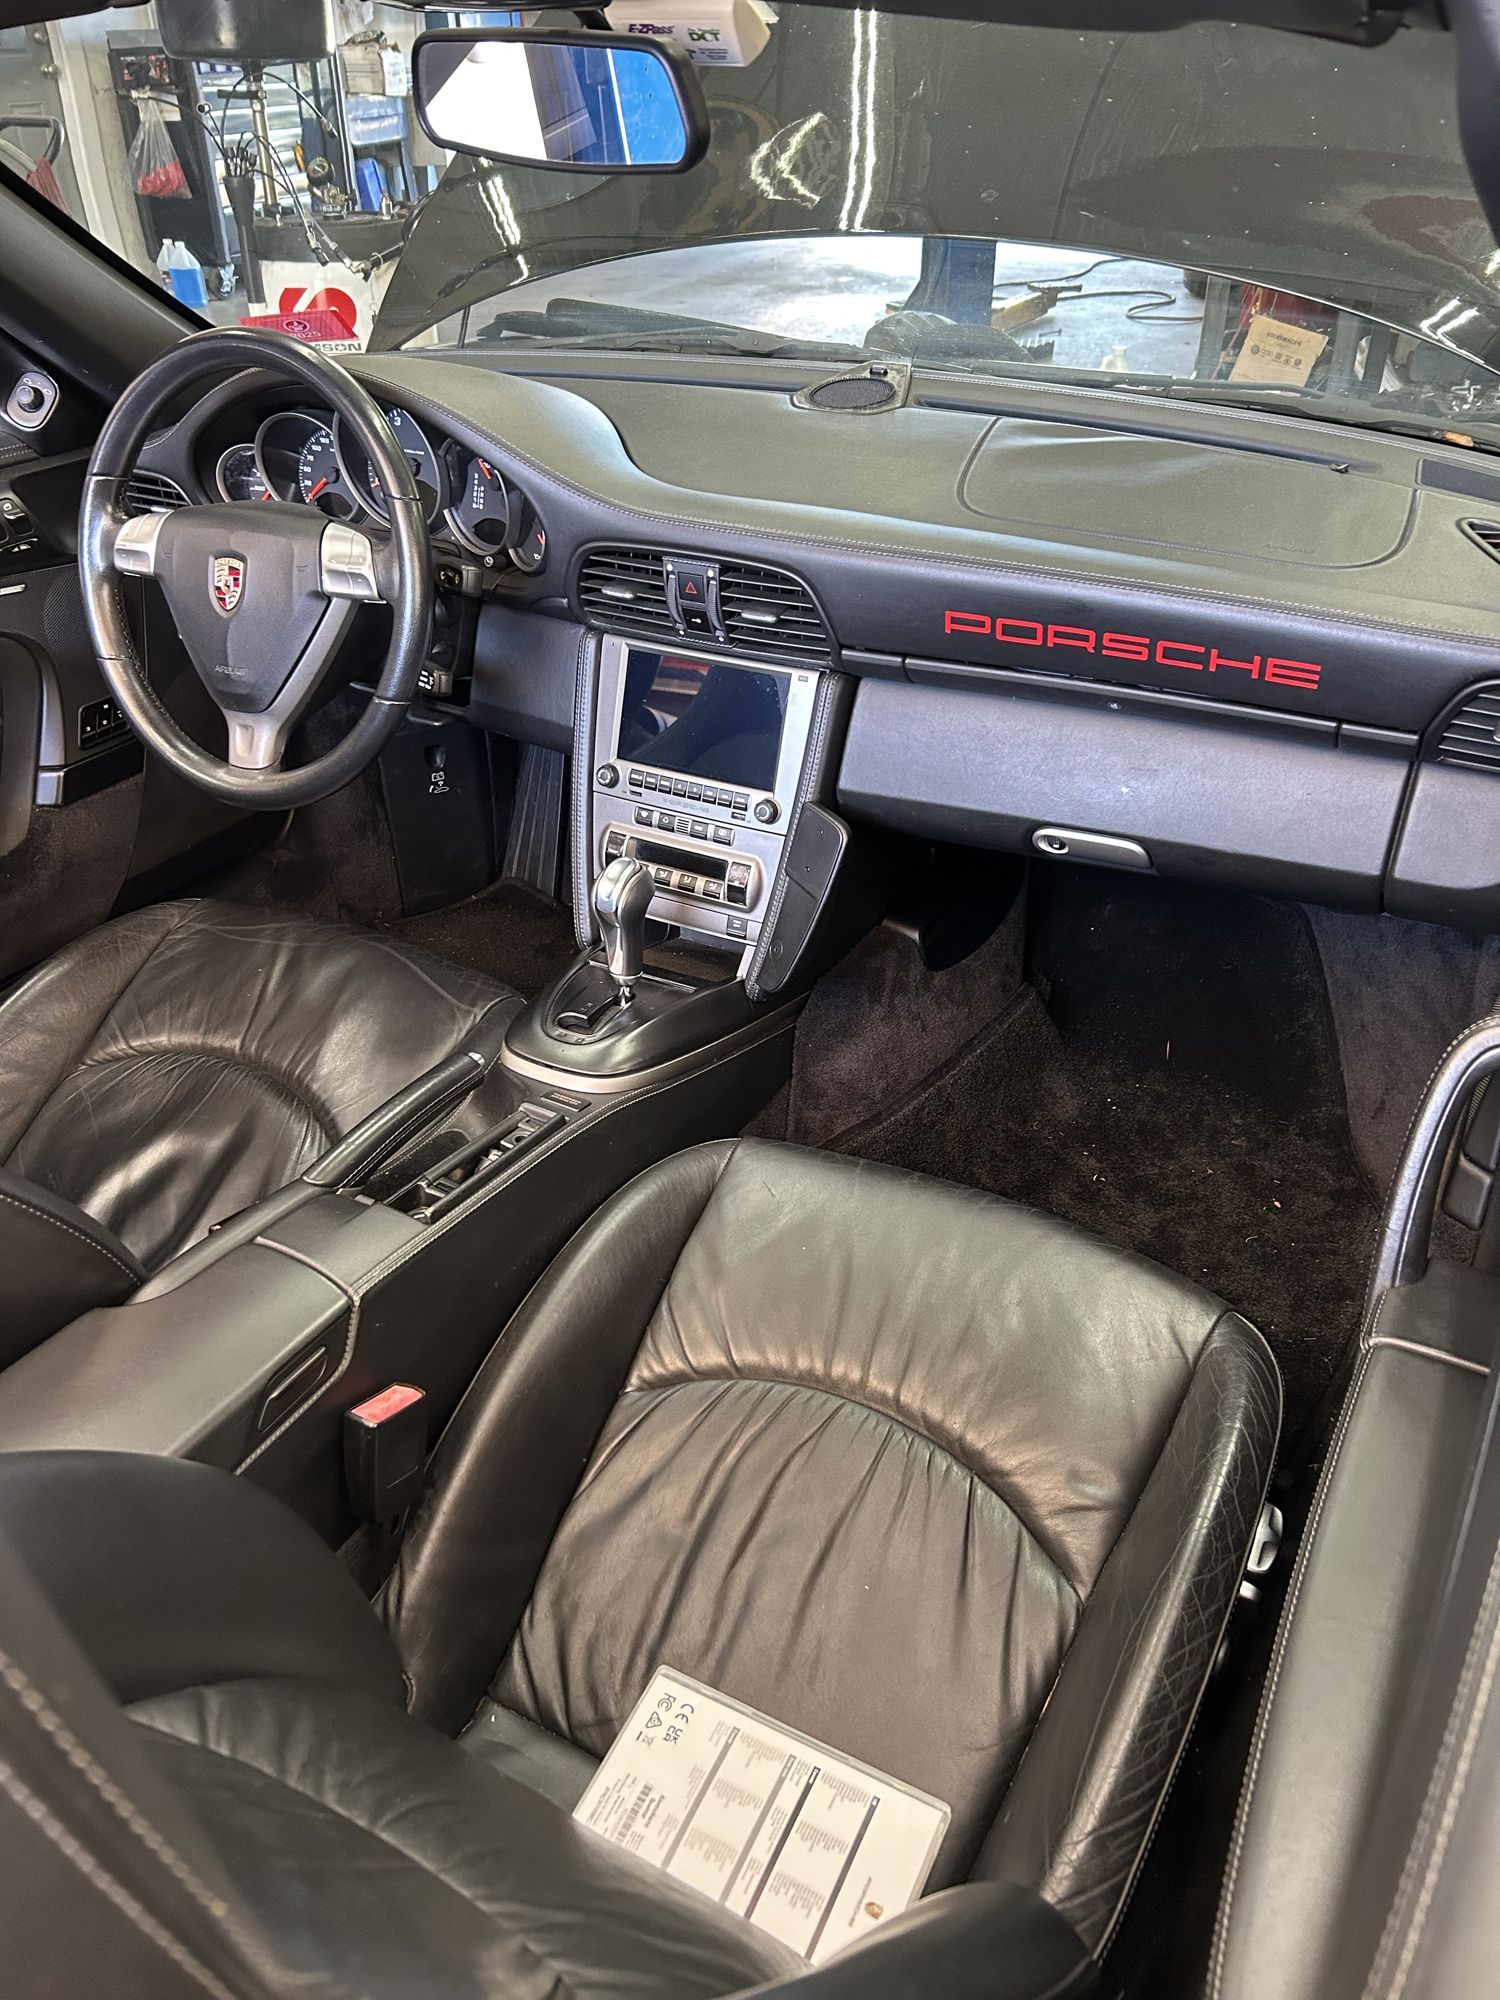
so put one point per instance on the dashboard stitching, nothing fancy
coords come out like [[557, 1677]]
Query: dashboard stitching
[[980, 567]]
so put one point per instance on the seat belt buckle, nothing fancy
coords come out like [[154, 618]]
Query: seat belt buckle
[[385, 1449]]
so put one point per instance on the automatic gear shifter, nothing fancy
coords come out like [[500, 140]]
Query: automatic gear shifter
[[622, 896]]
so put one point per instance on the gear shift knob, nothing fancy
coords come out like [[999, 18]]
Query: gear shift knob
[[622, 896]]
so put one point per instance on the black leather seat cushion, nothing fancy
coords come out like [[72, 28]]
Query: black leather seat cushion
[[176, 1065], [937, 1479]]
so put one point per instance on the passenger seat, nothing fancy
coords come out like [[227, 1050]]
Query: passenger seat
[[952, 1487]]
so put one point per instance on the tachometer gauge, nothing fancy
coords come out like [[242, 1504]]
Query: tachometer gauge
[[420, 456], [320, 476], [238, 475], [479, 515], [527, 545]]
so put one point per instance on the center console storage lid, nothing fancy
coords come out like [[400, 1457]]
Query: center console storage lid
[[179, 1375]]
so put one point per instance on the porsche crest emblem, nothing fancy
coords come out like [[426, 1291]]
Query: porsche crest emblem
[[229, 582]]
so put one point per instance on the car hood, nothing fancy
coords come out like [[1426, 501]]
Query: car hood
[[1326, 170]]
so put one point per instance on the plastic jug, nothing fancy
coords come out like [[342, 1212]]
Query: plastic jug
[[183, 273]]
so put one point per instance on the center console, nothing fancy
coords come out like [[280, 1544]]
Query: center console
[[703, 861], [697, 766]]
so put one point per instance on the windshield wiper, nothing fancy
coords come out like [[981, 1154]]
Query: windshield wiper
[[588, 323]]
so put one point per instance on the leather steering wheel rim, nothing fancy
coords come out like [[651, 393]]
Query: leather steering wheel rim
[[402, 561]]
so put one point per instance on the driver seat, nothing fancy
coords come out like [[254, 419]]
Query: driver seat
[[176, 1065]]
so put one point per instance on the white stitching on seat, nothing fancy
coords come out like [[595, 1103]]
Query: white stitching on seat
[[31, 1208], [1452, 1785], [1491, 1019], [73, 1852], [1263, 1718], [34, 1704]]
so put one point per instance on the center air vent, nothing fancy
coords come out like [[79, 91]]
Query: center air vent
[[755, 609], [1471, 735], [152, 493], [625, 589], [768, 611]]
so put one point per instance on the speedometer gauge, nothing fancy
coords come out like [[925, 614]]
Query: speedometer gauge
[[480, 513]]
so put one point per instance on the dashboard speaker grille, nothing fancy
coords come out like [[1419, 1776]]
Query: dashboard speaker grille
[[152, 493], [625, 589], [852, 392], [1471, 735]]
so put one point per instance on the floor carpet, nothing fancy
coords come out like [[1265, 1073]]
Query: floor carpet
[[512, 932], [1166, 1076]]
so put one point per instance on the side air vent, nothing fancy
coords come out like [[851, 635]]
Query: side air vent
[[152, 493], [767, 611], [625, 589], [1471, 735], [1487, 535]]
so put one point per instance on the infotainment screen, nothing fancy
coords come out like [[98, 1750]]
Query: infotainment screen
[[702, 718]]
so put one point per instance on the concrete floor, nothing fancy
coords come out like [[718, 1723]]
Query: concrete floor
[[836, 288]]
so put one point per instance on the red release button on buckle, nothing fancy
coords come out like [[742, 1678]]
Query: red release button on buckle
[[385, 1449], [387, 1403]]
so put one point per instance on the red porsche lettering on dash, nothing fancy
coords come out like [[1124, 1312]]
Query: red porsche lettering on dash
[[1184, 655]]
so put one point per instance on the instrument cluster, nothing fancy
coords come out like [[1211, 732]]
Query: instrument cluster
[[307, 456]]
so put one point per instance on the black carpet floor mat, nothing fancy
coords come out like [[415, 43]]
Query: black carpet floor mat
[[512, 932], [1168, 1078]]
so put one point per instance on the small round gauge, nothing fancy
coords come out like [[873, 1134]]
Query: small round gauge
[[238, 475], [479, 513], [420, 456], [320, 476], [527, 545]]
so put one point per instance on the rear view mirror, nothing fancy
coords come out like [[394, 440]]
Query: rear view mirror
[[584, 103]]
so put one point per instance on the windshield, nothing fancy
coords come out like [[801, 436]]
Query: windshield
[[1215, 211]]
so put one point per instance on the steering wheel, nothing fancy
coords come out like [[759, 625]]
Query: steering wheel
[[261, 592]]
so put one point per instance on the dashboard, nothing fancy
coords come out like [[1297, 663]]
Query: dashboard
[[306, 456], [1221, 644]]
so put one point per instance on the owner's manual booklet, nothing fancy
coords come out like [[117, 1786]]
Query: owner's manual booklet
[[800, 1840]]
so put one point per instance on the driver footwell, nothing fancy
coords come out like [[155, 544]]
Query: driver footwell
[[1154, 1061]]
